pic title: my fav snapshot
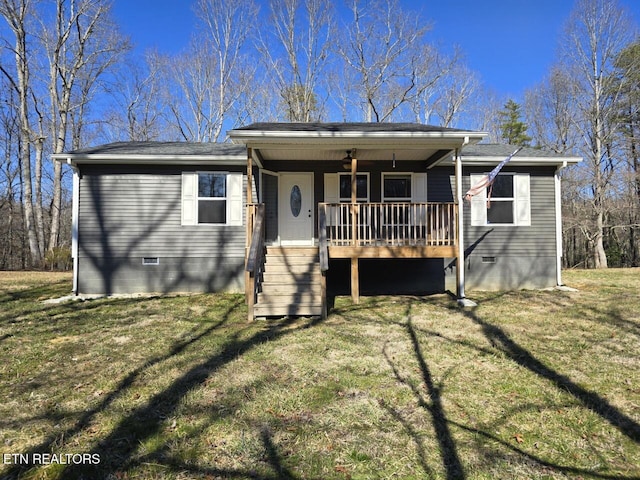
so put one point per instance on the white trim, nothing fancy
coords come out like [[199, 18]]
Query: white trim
[[75, 217], [234, 189], [100, 159], [188, 198], [359, 199], [518, 160], [558, 206], [478, 208], [331, 188], [521, 202], [522, 199], [233, 197], [419, 187], [461, 260], [398, 174]]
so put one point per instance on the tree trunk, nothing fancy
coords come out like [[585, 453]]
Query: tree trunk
[[37, 208]]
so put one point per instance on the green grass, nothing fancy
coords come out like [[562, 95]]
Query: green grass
[[529, 384]]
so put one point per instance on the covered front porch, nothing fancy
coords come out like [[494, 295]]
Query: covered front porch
[[315, 169]]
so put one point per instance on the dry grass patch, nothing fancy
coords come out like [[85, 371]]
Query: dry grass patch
[[528, 384]]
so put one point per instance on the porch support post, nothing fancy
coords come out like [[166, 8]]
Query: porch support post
[[460, 227], [248, 283], [249, 176], [355, 274]]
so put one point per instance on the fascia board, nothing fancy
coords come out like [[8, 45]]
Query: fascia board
[[522, 161], [151, 159]]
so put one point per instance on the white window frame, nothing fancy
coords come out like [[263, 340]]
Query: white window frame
[[521, 202], [359, 199], [408, 199], [233, 197]]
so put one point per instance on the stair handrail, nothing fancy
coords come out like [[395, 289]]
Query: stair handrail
[[255, 258], [323, 244]]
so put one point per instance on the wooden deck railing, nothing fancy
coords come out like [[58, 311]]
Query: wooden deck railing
[[389, 224]]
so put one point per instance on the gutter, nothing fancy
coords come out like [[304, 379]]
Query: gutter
[[97, 159]]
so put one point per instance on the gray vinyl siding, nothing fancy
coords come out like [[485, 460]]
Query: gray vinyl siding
[[128, 213], [521, 256], [524, 256], [535, 240]]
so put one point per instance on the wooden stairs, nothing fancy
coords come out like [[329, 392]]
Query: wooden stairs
[[292, 283]]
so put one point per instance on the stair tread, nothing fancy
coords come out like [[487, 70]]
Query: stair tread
[[290, 283]]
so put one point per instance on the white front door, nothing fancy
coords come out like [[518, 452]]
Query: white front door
[[295, 211]]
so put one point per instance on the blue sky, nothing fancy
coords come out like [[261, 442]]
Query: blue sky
[[510, 43]]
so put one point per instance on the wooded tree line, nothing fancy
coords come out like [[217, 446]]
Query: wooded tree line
[[70, 79]]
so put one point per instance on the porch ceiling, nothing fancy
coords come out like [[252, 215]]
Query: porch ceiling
[[361, 153]]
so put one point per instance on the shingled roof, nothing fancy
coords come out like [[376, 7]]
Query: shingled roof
[[161, 149], [344, 127]]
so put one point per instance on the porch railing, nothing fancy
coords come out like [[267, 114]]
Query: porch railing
[[389, 224]]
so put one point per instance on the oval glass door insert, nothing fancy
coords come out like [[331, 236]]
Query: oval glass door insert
[[295, 200]]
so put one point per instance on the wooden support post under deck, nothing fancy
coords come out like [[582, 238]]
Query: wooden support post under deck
[[250, 297], [355, 274], [355, 281]]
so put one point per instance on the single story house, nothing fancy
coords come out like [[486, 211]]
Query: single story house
[[293, 213]]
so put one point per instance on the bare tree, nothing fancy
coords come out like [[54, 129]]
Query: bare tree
[[11, 251], [81, 44], [384, 46], [138, 107], [627, 73], [596, 32], [549, 112], [297, 52], [455, 92], [482, 113], [193, 96], [219, 77], [17, 14]]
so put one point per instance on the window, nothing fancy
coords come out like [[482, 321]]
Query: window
[[500, 205], [211, 198], [396, 187], [362, 187], [509, 203]]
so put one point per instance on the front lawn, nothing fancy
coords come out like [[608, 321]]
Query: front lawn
[[529, 384]]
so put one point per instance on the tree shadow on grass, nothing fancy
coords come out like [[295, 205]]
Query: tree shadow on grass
[[448, 450], [432, 401], [117, 449], [500, 340]]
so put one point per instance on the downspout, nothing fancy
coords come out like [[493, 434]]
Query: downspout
[[460, 263], [558, 206], [75, 213]]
